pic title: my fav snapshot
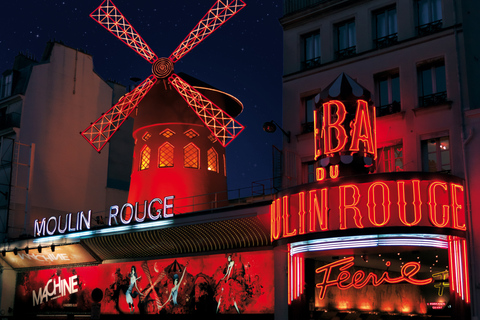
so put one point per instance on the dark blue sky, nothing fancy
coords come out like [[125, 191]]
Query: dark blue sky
[[243, 57]]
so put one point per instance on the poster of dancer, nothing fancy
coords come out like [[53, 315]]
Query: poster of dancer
[[232, 283]]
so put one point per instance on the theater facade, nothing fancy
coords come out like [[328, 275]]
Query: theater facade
[[353, 244]]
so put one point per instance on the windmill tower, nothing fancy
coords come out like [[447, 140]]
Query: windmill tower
[[181, 128]]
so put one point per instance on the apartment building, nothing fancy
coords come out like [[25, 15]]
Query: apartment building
[[418, 59]]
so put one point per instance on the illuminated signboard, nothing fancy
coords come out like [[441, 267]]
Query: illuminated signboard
[[223, 283], [63, 255], [128, 213], [397, 200], [346, 280], [344, 128]]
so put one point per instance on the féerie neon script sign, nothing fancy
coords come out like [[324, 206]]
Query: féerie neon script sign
[[345, 280]]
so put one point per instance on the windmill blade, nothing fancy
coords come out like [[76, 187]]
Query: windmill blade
[[222, 125], [99, 132], [220, 12], [108, 15]]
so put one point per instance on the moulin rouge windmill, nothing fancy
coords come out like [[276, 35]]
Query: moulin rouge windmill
[[178, 123]]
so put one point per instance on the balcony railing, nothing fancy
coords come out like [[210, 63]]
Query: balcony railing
[[429, 28], [311, 63], [10, 120], [346, 53], [391, 108], [386, 41], [433, 99]]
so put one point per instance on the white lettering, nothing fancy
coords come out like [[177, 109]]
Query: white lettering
[[39, 228], [61, 287], [158, 211], [85, 219], [50, 232], [123, 213], [113, 214], [167, 206]]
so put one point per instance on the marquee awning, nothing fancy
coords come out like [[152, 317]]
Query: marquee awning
[[212, 236]]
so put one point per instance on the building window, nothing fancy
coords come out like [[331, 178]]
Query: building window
[[432, 84], [212, 160], [165, 155], [6, 86], [145, 158], [309, 171], [429, 16], [309, 106], [346, 39], [388, 93], [191, 156], [436, 155], [310, 50], [146, 136], [167, 133], [190, 133], [385, 22], [390, 159]]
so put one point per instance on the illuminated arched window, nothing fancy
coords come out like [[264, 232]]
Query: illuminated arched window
[[145, 158], [165, 155], [191, 156], [212, 160]]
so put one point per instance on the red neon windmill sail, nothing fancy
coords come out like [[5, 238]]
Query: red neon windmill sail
[[222, 125]]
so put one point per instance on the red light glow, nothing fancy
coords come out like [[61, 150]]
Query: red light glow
[[376, 204], [345, 280], [223, 127]]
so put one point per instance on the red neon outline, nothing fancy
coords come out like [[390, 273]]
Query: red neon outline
[[465, 271], [286, 218], [314, 209], [317, 135], [334, 171], [341, 134], [320, 174], [289, 271], [100, 131], [218, 14], [343, 206], [407, 272], [432, 204], [224, 127], [453, 282], [301, 212], [276, 220], [109, 17], [402, 204], [362, 121], [371, 201], [456, 206]]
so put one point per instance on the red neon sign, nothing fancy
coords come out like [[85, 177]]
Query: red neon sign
[[345, 280], [388, 203], [334, 137]]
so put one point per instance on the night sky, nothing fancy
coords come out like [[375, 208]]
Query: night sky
[[242, 58]]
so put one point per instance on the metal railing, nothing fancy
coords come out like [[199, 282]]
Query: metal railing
[[433, 99], [429, 28]]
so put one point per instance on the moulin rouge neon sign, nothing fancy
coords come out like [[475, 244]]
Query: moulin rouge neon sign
[[346, 280], [128, 213], [394, 203]]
